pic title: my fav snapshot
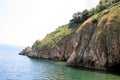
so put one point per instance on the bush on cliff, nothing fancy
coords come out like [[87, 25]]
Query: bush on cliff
[[80, 17]]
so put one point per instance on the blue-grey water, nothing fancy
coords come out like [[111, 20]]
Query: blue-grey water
[[17, 67]]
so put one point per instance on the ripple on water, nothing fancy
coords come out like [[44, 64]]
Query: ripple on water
[[17, 67]]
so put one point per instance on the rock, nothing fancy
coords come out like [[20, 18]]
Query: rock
[[25, 51], [97, 45], [61, 51]]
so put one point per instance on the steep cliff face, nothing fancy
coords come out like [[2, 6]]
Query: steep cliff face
[[97, 41], [57, 45], [95, 44], [61, 51]]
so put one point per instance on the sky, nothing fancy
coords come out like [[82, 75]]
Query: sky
[[22, 22]]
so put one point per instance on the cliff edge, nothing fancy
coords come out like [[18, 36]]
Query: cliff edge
[[97, 41], [94, 44]]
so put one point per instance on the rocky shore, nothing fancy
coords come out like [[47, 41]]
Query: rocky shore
[[95, 44]]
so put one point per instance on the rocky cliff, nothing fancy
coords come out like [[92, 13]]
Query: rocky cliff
[[95, 44], [25, 51], [97, 41], [61, 51]]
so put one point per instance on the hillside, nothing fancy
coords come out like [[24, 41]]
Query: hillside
[[53, 43], [98, 41], [93, 42], [54, 37]]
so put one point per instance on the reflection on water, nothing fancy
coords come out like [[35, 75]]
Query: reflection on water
[[17, 67]]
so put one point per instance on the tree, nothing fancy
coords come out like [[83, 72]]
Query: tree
[[103, 4], [80, 17], [84, 15], [114, 1], [76, 18]]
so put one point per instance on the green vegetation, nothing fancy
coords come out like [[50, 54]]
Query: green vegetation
[[107, 16], [53, 38], [103, 4], [80, 17]]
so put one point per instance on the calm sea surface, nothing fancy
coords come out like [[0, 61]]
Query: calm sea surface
[[17, 67]]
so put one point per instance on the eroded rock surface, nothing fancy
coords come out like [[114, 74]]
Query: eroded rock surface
[[61, 51], [96, 44]]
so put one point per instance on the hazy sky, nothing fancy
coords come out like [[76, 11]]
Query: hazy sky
[[24, 21]]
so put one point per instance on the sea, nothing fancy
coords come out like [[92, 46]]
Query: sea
[[18, 67]]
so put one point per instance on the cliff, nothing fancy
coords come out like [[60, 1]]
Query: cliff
[[61, 51], [57, 45], [95, 44], [97, 41]]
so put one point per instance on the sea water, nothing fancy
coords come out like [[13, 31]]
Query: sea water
[[18, 67]]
